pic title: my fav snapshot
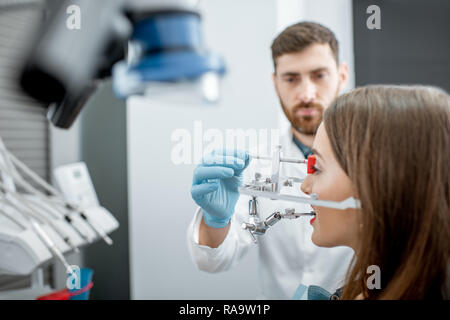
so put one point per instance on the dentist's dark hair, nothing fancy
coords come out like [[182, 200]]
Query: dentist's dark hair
[[300, 36], [394, 144]]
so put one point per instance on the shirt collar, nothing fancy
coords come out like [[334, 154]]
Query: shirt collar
[[304, 149]]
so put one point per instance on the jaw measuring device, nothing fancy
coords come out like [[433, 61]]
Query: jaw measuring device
[[269, 187]]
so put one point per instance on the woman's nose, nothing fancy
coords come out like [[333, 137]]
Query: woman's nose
[[306, 185]]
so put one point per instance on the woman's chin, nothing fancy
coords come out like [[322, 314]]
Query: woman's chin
[[318, 241]]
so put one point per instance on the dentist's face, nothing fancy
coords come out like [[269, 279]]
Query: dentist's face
[[306, 83], [332, 227]]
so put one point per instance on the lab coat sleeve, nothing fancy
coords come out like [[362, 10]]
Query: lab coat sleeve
[[228, 253], [237, 242]]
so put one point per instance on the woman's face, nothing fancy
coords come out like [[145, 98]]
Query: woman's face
[[332, 227]]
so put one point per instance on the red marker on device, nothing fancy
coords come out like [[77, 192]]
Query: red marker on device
[[310, 169], [311, 164]]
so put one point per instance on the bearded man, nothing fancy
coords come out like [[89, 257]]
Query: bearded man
[[307, 78]]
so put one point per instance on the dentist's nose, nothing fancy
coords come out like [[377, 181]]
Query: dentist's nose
[[307, 92]]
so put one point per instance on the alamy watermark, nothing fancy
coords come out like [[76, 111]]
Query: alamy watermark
[[190, 145], [374, 280], [73, 281], [73, 21], [374, 20]]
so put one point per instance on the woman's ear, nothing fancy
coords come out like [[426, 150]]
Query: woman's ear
[[343, 75]]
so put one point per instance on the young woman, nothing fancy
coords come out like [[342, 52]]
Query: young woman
[[389, 147]]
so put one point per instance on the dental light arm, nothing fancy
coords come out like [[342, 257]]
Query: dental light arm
[[136, 42]]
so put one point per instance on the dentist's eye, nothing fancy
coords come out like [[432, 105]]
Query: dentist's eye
[[290, 80], [320, 76]]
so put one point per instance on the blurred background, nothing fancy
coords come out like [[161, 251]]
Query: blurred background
[[127, 145]]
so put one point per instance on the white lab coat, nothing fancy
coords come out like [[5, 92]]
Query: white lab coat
[[287, 255]]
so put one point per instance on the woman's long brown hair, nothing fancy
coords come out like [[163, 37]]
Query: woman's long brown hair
[[394, 144]]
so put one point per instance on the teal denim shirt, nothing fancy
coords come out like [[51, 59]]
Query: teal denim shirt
[[315, 293]]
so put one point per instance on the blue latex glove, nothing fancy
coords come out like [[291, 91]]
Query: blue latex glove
[[215, 185]]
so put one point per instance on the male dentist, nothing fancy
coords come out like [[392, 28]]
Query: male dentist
[[307, 78]]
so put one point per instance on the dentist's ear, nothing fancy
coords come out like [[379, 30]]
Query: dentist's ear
[[274, 79], [343, 75]]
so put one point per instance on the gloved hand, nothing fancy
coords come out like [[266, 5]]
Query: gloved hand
[[215, 185]]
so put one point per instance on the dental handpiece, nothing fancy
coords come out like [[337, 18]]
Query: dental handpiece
[[91, 223], [51, 246], [97, 229]]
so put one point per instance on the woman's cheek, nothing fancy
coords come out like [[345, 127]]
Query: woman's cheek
[[327, 228], [319, 234]]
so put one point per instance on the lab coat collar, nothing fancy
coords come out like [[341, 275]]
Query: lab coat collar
[[290, 148]]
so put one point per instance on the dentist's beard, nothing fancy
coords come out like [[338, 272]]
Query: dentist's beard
[[306, 124]]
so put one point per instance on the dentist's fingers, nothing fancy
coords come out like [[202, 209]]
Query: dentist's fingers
[[202, 173], [199, 190], [241, 154], [224, 161]]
